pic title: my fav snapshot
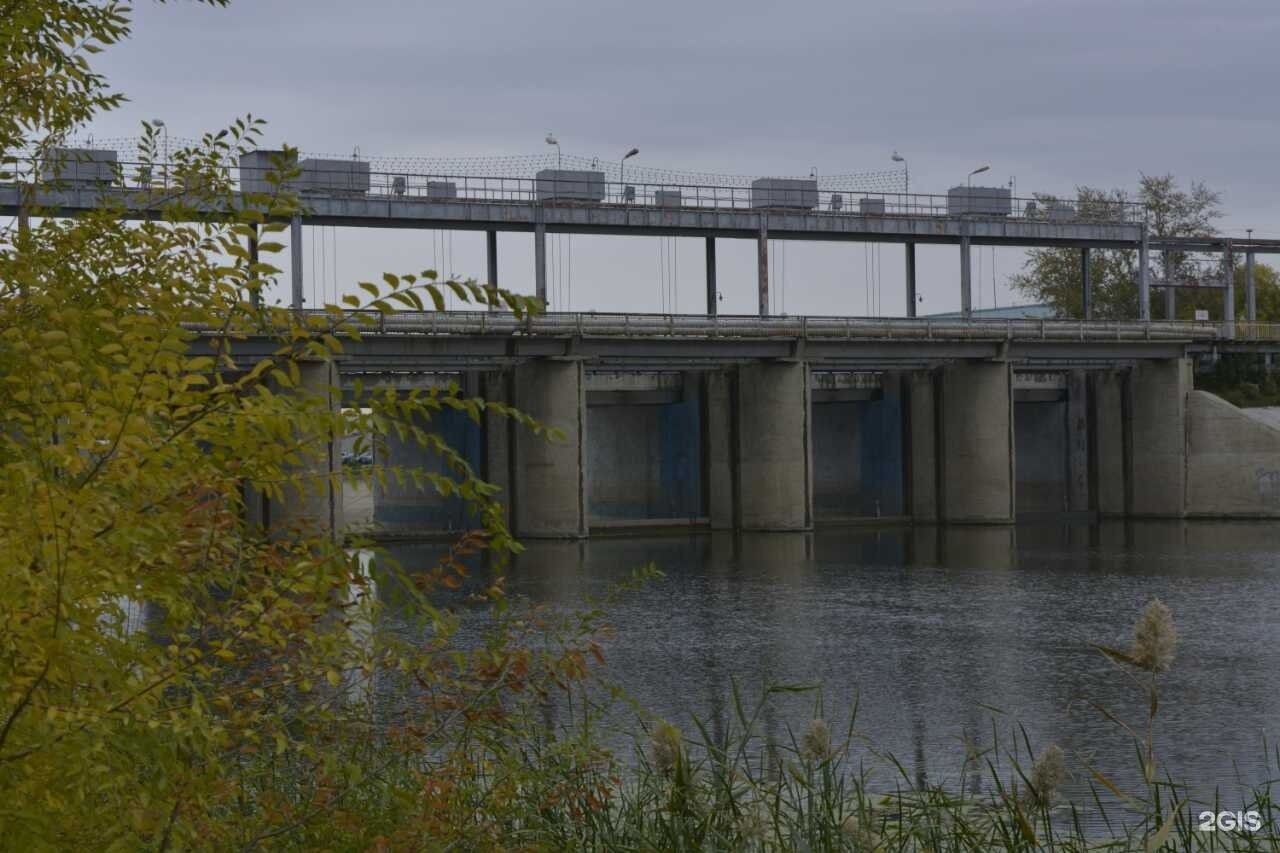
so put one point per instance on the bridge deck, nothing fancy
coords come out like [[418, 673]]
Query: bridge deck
[[475, 340]]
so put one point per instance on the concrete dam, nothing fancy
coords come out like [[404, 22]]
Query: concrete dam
[[782, 445]]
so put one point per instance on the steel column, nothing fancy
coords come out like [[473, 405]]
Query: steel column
[[712, 293], [1144, 279], [295, 252], [1170, 292], [491, 258], [1250, 293], [1229, 292], [911, 279], [1086, 285], [540, 260], [256, 295], [966, 283], [762, 266]]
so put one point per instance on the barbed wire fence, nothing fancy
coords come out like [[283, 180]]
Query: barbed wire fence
[[522, 166]]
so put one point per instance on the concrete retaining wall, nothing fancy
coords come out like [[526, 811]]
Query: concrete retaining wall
[[644, 461], [1233, 460], [1040, 433], [857, 446]]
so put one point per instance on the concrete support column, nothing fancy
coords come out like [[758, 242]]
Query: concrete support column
[[976, 447], [1086, 285], [491, 258], [721, 425], [966, 283], [498, 431], [1157, 425], [540, 258], [762, 266], [1078, 442], [911, 279], [1250, 290], [775, 480], [295, 261], [319, 505], [1144, 279], [549, 488], [921, 427], [1229, 293], [1110, 442], [713, 294]]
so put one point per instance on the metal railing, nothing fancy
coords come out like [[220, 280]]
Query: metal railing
[[588, 325], [354, 179]]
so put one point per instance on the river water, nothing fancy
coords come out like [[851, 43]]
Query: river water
[[947, 635]]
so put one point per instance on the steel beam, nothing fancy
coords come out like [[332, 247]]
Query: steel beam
[[713, 295], [911, 279]]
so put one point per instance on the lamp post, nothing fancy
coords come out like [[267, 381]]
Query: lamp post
[[551, 140], [622, 164], [165, 130], [906, 171], [977, 171]]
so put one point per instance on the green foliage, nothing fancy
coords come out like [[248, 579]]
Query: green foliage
[[1242, 380], [1053, 276]]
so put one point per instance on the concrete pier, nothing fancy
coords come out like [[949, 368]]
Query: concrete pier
[[548, 492], [1110, 446], [774, 483], [976, 441], [921, 429], [1157, 421], [318, 506]]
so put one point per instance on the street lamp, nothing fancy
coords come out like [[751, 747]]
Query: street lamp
[[977, 171], [551, 140], [159, 122], [622, 165], [906, 171]]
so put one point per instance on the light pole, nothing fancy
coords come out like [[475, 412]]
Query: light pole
[[622, 164], [551, 140], [977, 171], [165, 130], [906, 171]]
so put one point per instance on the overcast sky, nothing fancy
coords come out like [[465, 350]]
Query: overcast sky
[[1055, 93]]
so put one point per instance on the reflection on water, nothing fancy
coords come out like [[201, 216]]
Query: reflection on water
[[937, 632]]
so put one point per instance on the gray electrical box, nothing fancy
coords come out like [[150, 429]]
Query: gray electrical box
[[1060, 211], [254, 166], [667, 198], [569, 184], [980, 201], [442, 190], [872, 206], [797, 193], [335, 177], [79, 166]]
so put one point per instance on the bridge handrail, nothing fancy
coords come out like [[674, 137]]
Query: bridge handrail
[[592, 324], [401, 186]]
